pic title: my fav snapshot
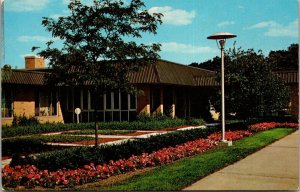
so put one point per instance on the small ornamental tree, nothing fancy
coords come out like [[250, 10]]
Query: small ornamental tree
[[251, 89], [98, 45]]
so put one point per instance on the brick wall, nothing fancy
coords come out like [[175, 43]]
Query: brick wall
[[24, 104], [32, 62], [24, 101]]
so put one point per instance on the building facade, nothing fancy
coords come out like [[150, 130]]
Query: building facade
[[164, 87]]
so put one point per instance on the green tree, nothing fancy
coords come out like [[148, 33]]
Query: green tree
[[212, 64], [251, 89], [285, 59], [99, 47]]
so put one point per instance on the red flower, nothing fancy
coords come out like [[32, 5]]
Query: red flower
[[65, 182], [30, 176], [86, 167]]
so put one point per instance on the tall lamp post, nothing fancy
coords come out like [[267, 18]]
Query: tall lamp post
[[222, 36]]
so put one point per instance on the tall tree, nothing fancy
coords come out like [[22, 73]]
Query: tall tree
[[279, 60], [251, 88], [99, 47], [285, 59]]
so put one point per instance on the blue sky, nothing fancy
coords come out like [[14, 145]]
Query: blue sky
[[258, 24]]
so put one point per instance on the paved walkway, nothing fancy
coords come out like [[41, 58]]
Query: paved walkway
[[275, 167]]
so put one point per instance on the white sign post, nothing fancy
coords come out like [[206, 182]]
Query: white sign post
[[77, 112]]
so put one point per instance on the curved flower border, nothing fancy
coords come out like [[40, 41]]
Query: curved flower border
[[30, 176]]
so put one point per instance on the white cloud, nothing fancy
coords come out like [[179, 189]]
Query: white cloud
[[56, 16], [290, 30], [174, 16], [263, 24], [175, 47], [275, 29], [26, 5], [36, 38], [224, 23]]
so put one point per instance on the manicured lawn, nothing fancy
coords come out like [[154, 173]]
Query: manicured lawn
[[182, 173], [100, 132]]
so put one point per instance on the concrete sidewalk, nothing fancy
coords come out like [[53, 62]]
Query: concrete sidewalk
[[275, 167]]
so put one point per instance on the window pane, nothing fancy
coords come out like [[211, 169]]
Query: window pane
[[77, 96], [124, 101], [70, 99], [116, 100], [116, 115], [108, 116], [6, 105], [124, 116], [108, 100], [132, 102], [45, 100], [54, 103], [45, 103], [97, 101], [85, 99]]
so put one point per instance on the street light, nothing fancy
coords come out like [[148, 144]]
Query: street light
[[222, 36]]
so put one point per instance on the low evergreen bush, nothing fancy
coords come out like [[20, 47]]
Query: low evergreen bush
[[36, 144], [24, 121], [150, 124], [26, 146]]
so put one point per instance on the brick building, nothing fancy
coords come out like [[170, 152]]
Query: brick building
[[165, 87]]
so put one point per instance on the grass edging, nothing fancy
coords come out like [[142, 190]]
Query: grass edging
[[184, 172]]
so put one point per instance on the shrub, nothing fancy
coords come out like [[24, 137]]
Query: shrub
[[43, 128], [153, 124], [101, 132], [36, 144], [77, 157], [24, 121]]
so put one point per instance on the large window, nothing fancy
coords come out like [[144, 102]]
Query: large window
[[46, 103], [6, 103], [110, 106]]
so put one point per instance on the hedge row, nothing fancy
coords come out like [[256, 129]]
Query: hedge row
[[36, 144], [78, 157], [124, 125], [101, 132]]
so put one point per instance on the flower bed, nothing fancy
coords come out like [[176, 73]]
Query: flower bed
[[270, 125], [229, 135], [30, 176]]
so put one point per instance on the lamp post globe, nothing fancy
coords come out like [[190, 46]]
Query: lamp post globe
[[221, 37]]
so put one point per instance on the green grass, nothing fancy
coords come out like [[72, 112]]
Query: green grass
[[184, 172], [101, 132]]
